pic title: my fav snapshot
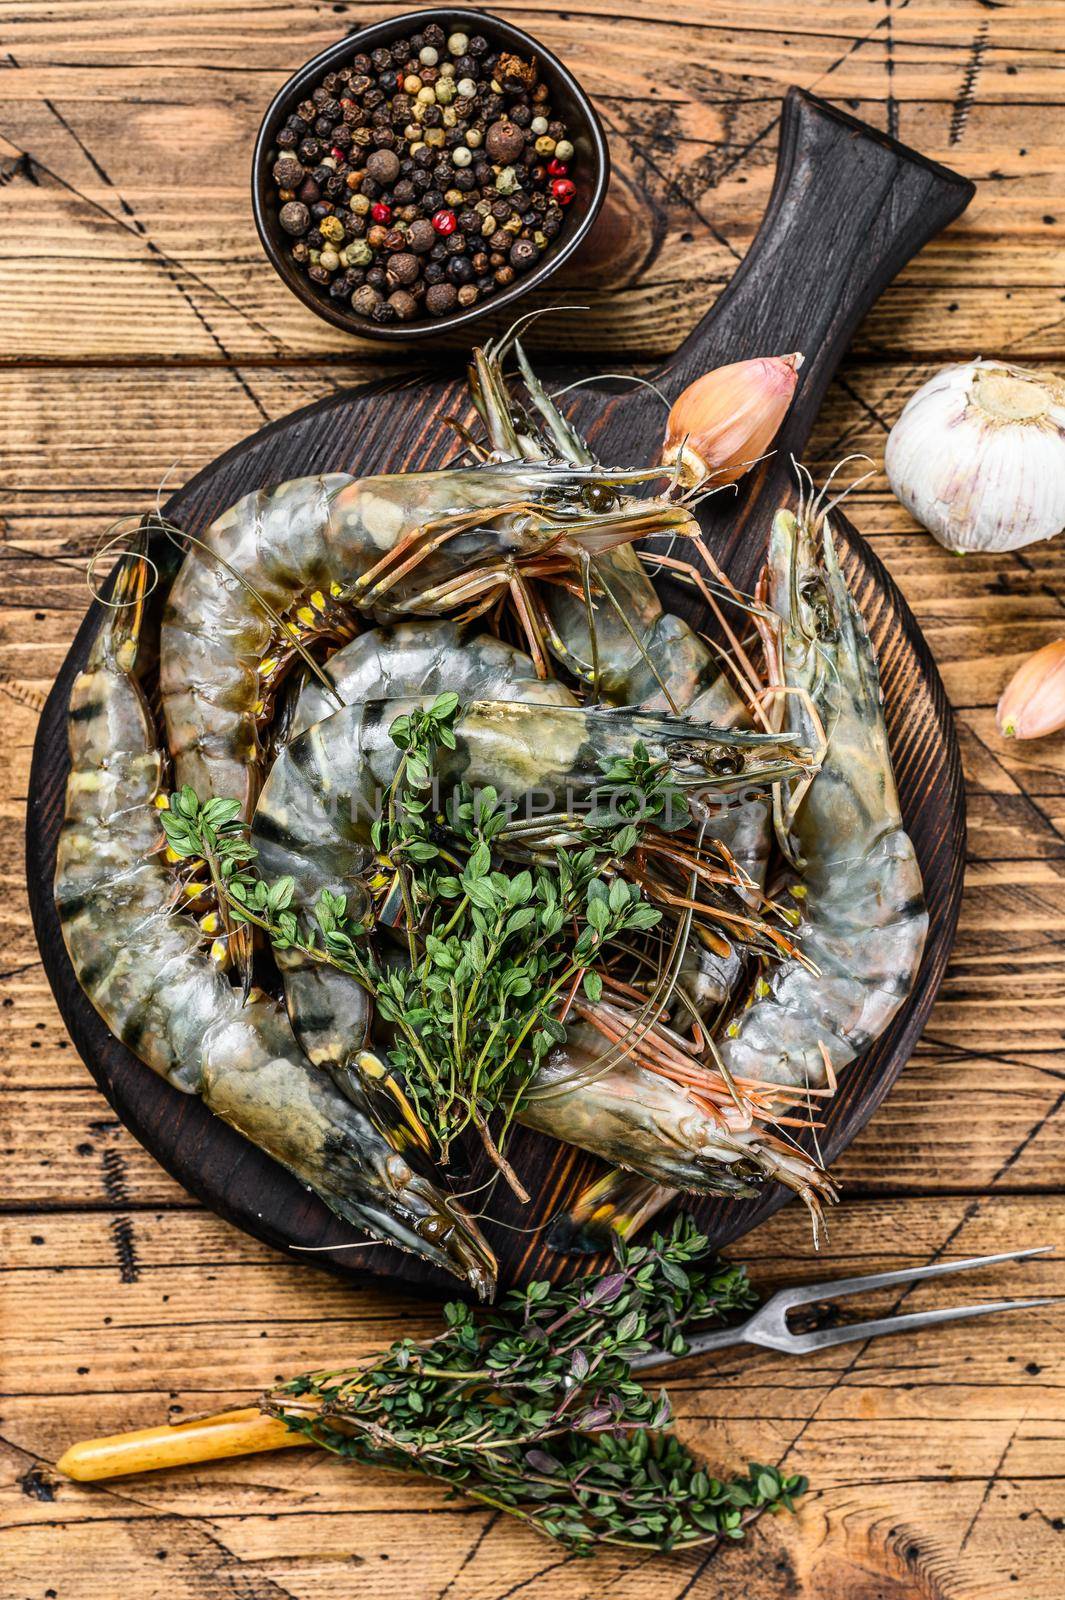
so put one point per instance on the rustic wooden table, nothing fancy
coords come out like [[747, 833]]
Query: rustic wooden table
[[142, 334]]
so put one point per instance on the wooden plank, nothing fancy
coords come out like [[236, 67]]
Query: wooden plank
[[984, 1397], [159, 254]]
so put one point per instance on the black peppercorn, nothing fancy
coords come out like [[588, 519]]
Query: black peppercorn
[[403, 192], [310, 150], [383, 312], [286, 139], [376, 277], [434, 272], [381, 59], [523, 253], [459, 269], [308, 192], [323, 127], [318, 274], [432, 200]]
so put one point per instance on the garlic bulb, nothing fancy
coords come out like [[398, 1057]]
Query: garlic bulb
[[720, 425], [978, 456], [1033, 702]]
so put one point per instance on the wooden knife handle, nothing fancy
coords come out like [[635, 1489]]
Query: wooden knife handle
[[230, 1433]]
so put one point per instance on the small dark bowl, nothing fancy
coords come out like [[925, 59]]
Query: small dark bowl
[[571, 104]]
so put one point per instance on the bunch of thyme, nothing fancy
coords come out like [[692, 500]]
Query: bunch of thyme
[[496, 949], [533, 1407]]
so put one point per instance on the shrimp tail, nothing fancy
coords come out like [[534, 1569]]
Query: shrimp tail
[[616, 1206]]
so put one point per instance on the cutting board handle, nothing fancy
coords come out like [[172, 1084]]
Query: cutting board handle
[[849, 208]]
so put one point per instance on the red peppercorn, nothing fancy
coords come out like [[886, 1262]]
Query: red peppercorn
[[563, 190], [337, 154], [556, 168], [444, 222], [383, 214]]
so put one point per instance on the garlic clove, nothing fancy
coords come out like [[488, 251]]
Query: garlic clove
[[978, 456], [724, 421], [1033, 702]]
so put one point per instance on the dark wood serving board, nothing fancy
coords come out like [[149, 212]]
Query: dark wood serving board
[[848, 209]]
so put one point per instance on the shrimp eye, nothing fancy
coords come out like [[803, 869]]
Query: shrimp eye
[[598, 498], [726, 765]]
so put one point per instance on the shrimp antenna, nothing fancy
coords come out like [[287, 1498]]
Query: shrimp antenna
[[617, 377], [819, 510], [113, 539]]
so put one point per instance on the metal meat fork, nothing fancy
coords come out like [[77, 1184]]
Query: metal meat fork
[[769, 1324], [247, 1431]]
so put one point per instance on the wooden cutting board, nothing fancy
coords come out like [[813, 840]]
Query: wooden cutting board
[[848, 209]]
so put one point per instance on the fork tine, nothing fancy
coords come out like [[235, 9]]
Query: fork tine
[[823, 1338], [802, 1294]]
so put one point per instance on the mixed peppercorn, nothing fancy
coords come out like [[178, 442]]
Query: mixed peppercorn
[[424, 177]]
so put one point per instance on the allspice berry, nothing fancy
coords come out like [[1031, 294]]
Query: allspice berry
[[294, 217], [402, 269], [403, 304], [364, 300], [421, 236], [440, 298], [383, 167], [288, 172], [504, 141]]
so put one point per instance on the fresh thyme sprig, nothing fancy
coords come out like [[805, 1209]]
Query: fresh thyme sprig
[[495, 949], [534, 1407]]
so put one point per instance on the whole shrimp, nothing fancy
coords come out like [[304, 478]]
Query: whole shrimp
[[858, 885], [313, 819], [142, 965], [272, 571]]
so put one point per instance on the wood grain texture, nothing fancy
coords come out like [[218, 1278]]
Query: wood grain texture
[[937, 1465]]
